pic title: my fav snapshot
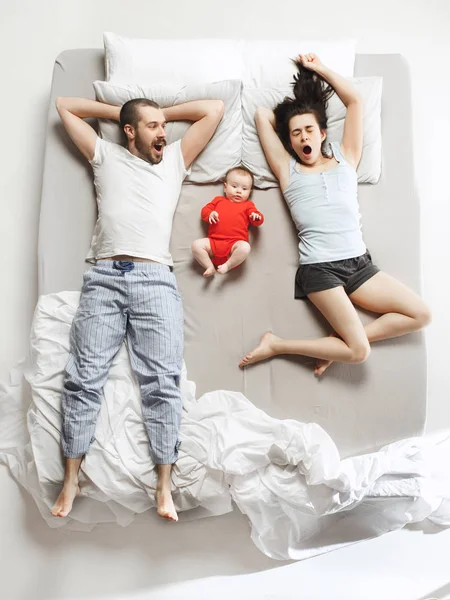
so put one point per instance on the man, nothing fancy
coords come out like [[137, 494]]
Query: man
[[131, 291]]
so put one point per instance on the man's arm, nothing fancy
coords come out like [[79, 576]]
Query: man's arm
[[206, 115], [72, 112]]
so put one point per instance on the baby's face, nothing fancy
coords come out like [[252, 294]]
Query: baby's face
[[238, 186]]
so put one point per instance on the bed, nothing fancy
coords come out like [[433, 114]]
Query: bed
[[362, 407], [313, 464]]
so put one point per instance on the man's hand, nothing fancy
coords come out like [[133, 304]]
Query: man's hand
[[72, 112], [213, 217]]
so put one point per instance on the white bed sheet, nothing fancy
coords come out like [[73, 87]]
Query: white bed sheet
[[286, 476]]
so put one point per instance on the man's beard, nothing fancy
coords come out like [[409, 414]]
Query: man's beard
[[143, 150]]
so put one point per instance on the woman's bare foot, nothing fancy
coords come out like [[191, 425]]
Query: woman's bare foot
[[265, 349], [224, 268], [165, 505], [322, 364], [209, 272], [63, 504]]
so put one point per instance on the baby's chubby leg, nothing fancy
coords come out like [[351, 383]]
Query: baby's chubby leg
[[201, 249], [239, 253]]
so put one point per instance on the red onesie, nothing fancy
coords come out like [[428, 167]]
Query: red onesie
[[234, 219]]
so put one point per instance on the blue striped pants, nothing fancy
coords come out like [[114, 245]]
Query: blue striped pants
[[139, 301]]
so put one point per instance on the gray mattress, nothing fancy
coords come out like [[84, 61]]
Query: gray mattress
[[361, 406]]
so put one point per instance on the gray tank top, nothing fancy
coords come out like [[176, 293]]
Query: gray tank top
[[324, 207]]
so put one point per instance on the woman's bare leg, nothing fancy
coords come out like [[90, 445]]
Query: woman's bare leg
[[351, 346], [403, 311]]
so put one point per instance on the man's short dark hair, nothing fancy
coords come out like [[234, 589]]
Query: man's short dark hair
[[129, 113]]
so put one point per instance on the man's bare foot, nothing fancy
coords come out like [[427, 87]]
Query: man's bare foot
[[63, 504], [265, 349], [322, 364], [222, 269], [165, 505], [209, 272]]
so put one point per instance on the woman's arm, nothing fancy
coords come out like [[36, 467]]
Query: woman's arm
[[353, 125], [276, 155]]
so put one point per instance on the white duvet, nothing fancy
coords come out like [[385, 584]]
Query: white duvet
[[287, 477]]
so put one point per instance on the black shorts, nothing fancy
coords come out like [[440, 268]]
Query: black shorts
[[351, 273]]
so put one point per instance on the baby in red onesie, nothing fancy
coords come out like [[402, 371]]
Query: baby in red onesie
[[229, 217]]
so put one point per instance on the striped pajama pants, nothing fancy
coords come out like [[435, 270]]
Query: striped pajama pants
[[139, 301]]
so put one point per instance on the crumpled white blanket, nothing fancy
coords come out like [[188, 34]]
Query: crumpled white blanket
[[286, 476]]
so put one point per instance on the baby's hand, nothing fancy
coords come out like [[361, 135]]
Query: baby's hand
[[255, 216], [213, 217]]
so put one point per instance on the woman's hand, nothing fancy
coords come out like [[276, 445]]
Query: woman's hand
[[311, 61]]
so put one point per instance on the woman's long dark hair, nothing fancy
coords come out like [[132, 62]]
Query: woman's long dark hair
[[311, 95]]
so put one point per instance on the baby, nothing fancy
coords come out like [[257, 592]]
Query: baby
[[229, 217]]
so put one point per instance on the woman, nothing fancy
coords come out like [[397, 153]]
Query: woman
[[319, 183]]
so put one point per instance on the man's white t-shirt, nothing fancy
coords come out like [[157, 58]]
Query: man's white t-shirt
[[136, 202]]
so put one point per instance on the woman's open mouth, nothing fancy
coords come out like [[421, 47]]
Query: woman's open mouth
[[306, 150]]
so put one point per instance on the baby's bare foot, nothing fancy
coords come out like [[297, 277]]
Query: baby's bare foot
[[63, 504], [265, 349], [222, 269], [209, 271]]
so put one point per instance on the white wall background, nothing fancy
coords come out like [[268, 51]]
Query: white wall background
[[37, 563]]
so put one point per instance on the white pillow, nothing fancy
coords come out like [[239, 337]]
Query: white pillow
[[369, 169], [268, 63], [223, 152], [171, 62], [259, 63]]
